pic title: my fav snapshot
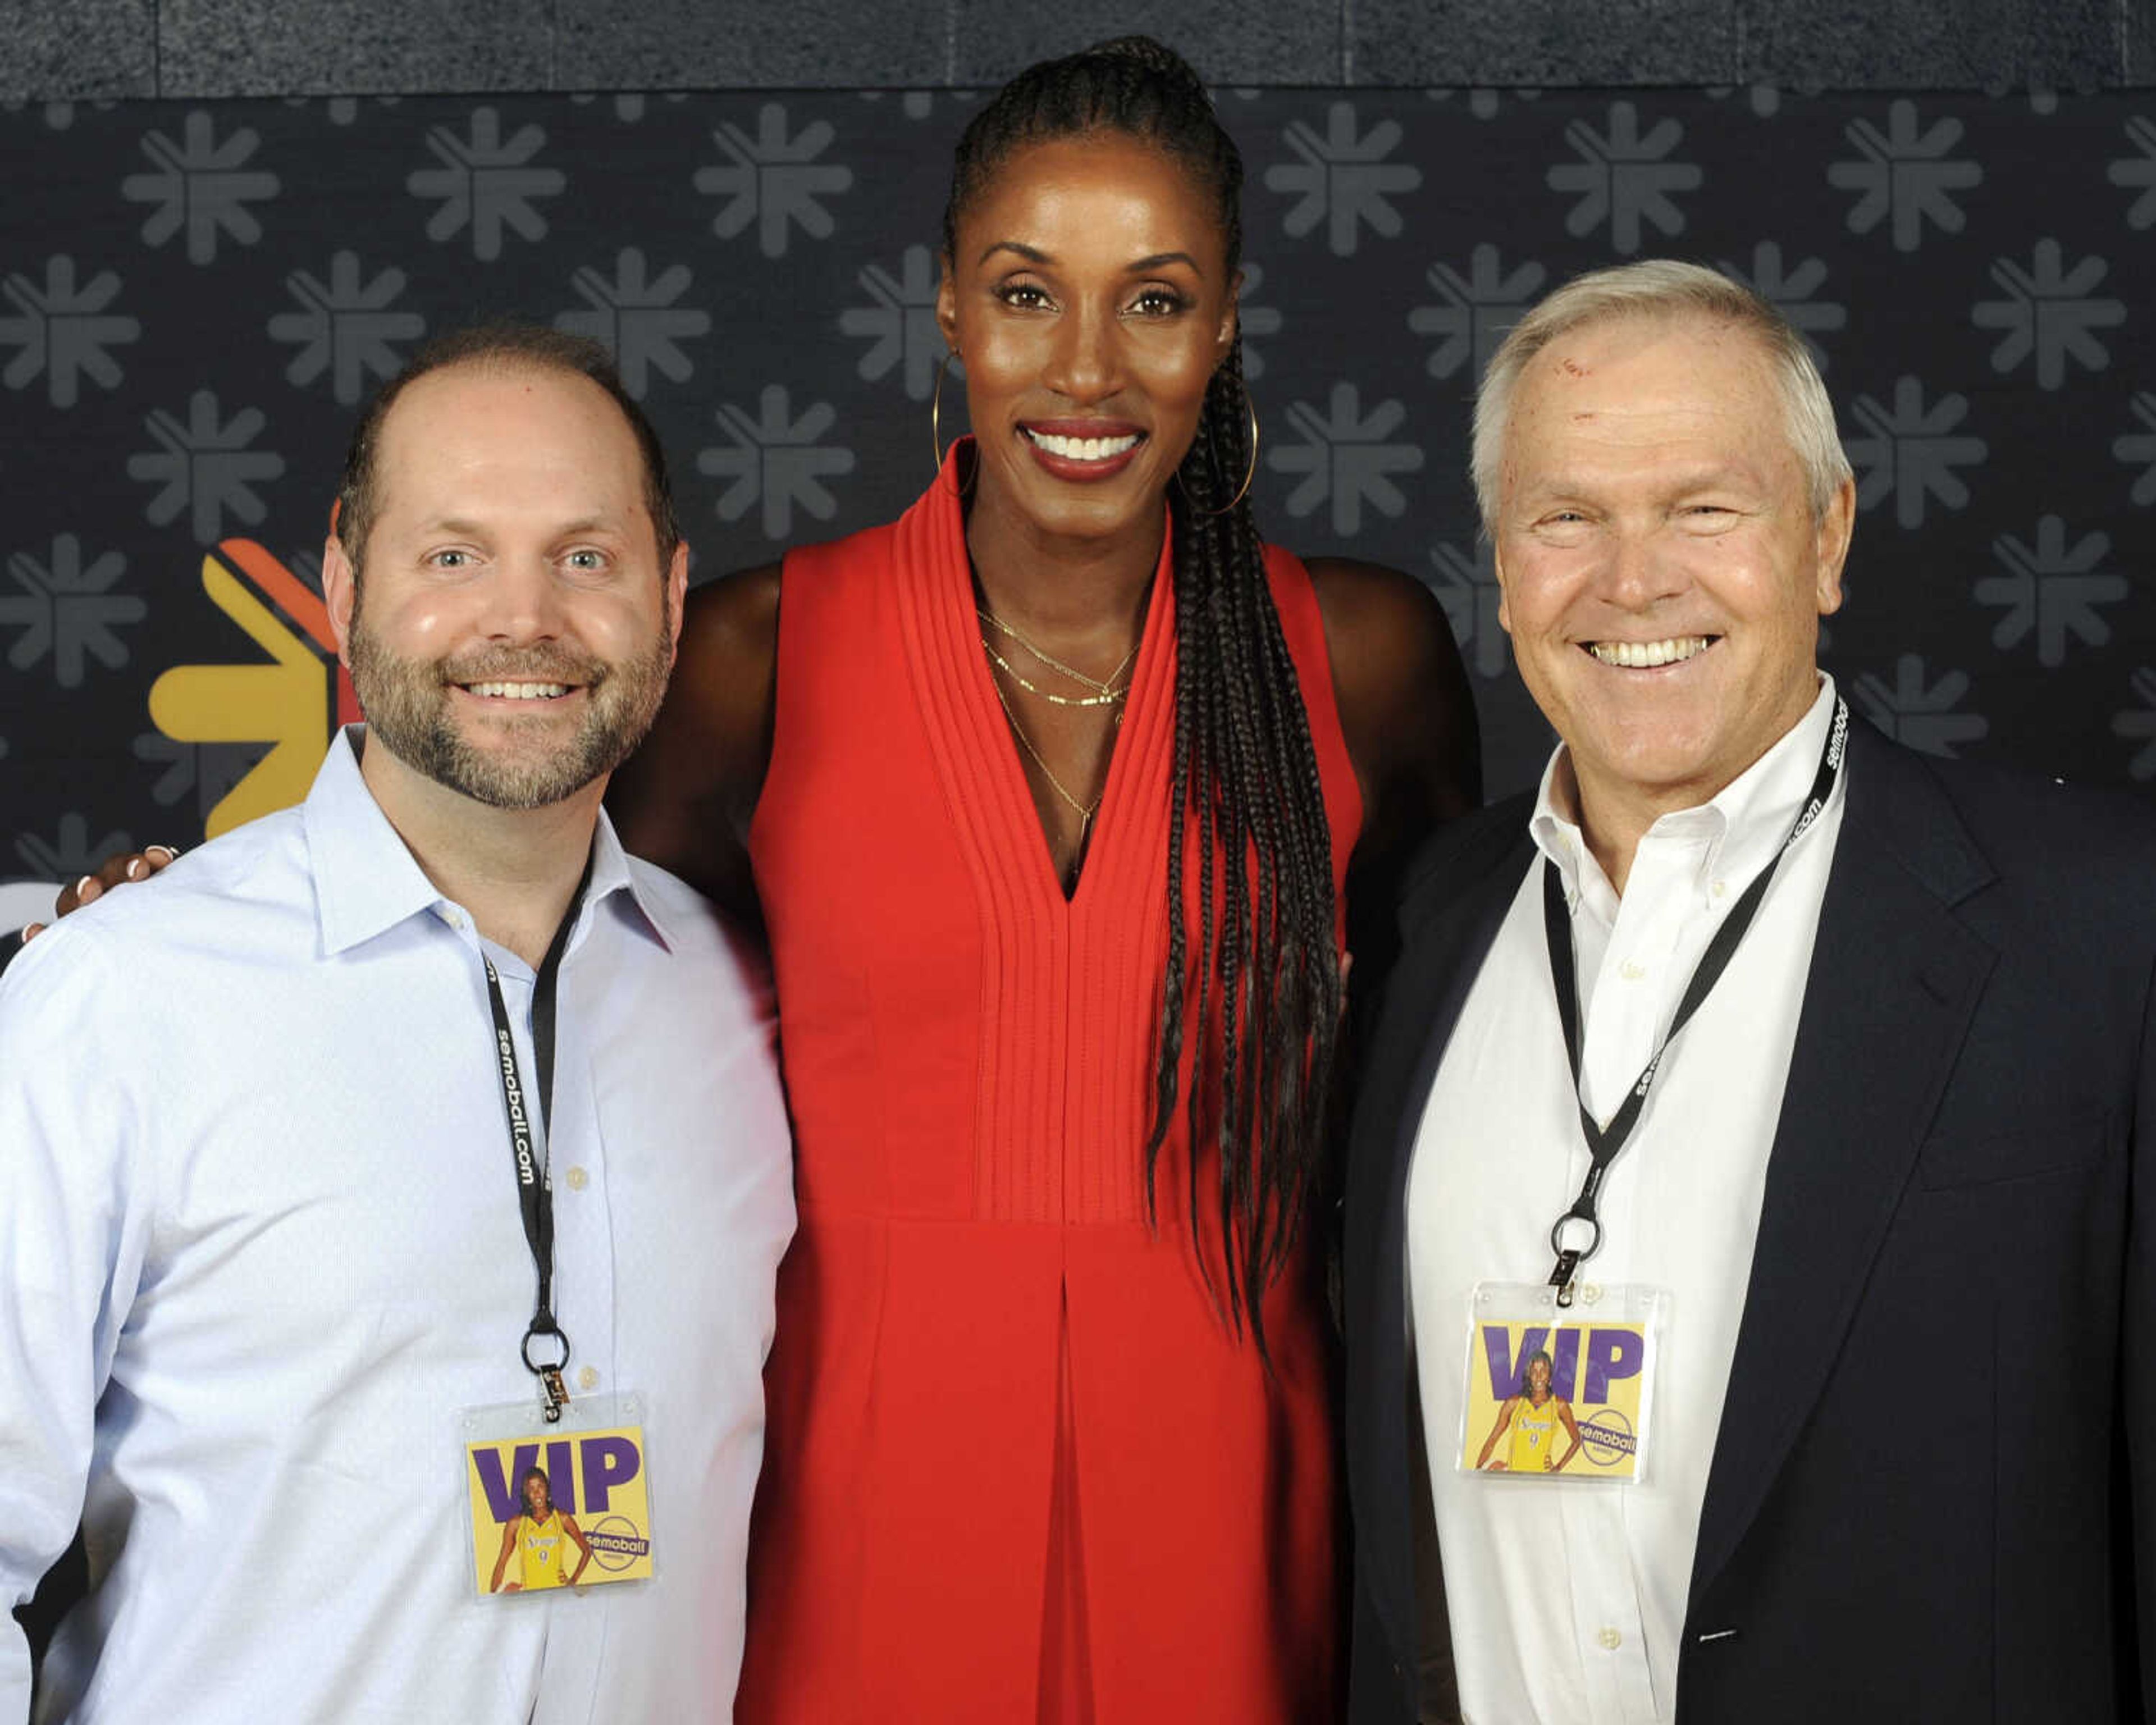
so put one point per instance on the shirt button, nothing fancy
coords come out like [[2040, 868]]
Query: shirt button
[[454, 920], [588, 1379], [578, 1179], [1630, 971], [1610, 1639], [1721, 888]]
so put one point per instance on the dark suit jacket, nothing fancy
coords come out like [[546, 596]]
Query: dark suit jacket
[[1932, 1480]]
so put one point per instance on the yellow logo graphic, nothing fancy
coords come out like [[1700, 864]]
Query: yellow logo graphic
[[291, 703]]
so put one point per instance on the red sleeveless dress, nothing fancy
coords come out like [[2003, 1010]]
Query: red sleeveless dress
[[1019, 1465]]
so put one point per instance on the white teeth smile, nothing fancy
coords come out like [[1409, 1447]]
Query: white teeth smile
[[1641, 655], [1084, 449], [520, 691]]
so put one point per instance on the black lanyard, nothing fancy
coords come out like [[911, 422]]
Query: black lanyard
[[535, 1181], [1605, 1143]]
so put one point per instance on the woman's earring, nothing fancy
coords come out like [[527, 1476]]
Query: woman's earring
[[936, 423], [1250, 473]]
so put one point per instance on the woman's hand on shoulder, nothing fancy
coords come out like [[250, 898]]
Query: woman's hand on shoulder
[[120, 870], [686, 798]]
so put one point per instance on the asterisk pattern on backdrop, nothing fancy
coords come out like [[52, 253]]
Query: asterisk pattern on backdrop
[[198, 295]]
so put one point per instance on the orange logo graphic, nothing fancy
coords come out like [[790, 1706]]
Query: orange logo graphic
[[290, 703]]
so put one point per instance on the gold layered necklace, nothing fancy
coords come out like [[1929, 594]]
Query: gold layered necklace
[[1106, 691], [1083, 811]]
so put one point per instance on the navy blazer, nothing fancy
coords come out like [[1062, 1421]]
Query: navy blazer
[[1938, 1461]]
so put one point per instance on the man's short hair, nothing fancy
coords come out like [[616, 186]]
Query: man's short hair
[[1653, 289], [506, 345]]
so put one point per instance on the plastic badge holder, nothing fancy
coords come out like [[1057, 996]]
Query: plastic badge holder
[[592, 1468]]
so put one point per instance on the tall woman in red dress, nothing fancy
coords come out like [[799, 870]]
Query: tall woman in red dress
[[1049, 790]]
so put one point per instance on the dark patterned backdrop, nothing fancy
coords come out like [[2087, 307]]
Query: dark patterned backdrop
[[193, 298]]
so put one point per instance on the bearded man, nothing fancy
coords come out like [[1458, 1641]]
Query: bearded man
[[384, 1145]]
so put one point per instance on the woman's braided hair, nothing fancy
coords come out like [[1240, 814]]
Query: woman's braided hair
[[1258, 1005]]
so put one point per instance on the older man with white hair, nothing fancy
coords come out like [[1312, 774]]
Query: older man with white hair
[[1785, 1090]]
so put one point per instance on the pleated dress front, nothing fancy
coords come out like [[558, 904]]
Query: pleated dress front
[[1020, 1465]]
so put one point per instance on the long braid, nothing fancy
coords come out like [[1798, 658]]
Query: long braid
[[1277, 1061], [1254, 1003]]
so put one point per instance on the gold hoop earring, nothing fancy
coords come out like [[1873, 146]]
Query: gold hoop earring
[[935, 421], [1250, 473], [935, 407]]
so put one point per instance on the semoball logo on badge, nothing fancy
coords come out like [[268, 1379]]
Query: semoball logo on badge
[[615, 1542], [1607, 1439], [289, 699]]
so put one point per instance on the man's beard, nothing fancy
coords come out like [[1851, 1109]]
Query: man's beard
[[407, 703]]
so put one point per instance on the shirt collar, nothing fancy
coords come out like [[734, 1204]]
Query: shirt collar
[[1738, 831], [611, 874], [366, 880]]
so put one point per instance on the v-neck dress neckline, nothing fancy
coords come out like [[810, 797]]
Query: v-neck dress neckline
[[1148, 713]]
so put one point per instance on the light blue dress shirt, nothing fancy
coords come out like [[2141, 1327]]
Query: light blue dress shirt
[[259, 1246]]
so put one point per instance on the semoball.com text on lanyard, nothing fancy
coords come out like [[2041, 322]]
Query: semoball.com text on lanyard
[[565, 1502]]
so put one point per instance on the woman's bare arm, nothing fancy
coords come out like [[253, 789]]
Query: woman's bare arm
[[686, 798], [1408, 718]]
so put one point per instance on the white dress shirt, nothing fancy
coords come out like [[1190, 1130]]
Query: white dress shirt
[[259, 1244], [1567, 1599]]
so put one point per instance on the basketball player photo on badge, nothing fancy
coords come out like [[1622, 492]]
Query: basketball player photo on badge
[[561, 1506], [1559, 1392]]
